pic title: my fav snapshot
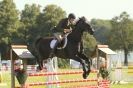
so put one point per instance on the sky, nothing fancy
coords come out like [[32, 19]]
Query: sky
[[99, 9]]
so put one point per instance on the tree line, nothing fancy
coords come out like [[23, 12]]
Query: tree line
[[24, 27]]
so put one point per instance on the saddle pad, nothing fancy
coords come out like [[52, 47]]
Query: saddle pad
[[53, 43]]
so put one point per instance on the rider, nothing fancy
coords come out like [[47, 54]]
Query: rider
[[65, 26]]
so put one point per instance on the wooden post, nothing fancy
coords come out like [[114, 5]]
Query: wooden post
[[12, 70], [25, 64], [97, 55], [106, 61]]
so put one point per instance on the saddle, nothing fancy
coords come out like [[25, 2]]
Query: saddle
[[61, 45]]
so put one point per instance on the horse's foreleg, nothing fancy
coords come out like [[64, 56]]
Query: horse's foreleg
[[88, 61], [85, 69]]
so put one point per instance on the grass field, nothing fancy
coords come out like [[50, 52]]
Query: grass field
[[7, 79]]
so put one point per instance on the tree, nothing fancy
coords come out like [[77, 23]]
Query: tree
[[89, 43], [50, 17], [121, 36], [102, 29], [8, 22], [28, 30]]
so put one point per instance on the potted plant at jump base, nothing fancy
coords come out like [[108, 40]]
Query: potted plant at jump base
[[21, 76], [104, 72]]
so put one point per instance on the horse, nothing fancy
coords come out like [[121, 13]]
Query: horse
[[42, 46]]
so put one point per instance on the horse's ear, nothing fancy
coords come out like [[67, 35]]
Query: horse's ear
[[79, 18], [83, 18]]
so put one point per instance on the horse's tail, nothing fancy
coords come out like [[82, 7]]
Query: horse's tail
[[36, 46], [37, 41]]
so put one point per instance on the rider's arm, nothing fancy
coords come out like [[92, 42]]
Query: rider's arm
[[67, 30], [63, 26], [60, 27]]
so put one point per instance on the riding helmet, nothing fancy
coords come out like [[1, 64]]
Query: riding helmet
[[71, 15]]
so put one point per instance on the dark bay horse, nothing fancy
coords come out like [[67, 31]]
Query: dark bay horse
[[42, 46]]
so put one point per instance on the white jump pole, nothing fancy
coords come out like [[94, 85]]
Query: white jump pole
[[118, 69], [52, 67]]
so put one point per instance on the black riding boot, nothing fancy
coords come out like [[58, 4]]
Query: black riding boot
[[52, 53]]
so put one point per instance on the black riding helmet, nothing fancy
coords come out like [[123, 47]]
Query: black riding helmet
[[71, 15]]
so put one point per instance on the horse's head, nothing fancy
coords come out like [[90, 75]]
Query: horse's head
[[84, 25]]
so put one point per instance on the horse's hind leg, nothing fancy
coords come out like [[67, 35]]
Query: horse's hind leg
[[83, 65], [39, 60], [40, 63]]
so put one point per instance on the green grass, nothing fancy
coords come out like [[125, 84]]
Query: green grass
[[129, 85], [7, 79]]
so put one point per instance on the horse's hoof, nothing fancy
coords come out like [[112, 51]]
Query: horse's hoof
[[39, 68], [88, 72], [84, 76]]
